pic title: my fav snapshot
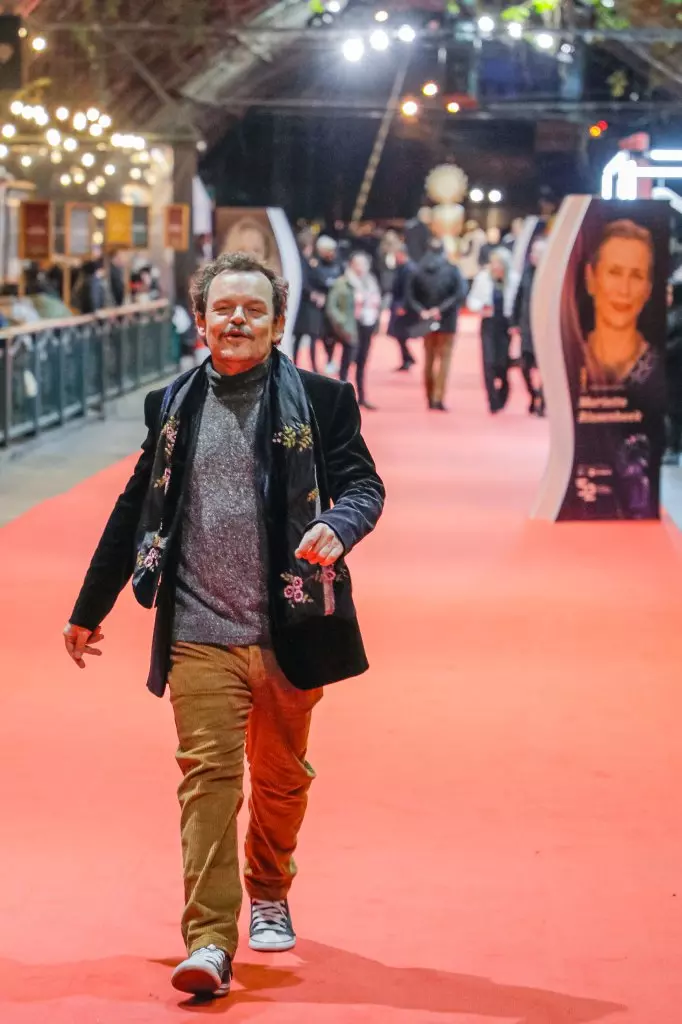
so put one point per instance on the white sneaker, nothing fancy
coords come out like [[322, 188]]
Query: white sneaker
[[271, 928], [206, 972]]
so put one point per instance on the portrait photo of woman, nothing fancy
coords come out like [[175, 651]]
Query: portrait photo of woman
[[619, 280]]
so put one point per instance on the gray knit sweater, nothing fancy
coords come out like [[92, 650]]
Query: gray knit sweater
[[222, 579]]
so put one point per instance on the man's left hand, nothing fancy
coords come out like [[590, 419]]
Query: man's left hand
[[320, 546]]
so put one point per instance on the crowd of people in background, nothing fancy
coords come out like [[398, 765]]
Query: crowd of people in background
[[351, 275]]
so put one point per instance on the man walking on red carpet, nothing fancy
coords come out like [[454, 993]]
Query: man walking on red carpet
[[227, 526]]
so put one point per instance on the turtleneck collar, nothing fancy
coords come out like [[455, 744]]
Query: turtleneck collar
[[239, 381]]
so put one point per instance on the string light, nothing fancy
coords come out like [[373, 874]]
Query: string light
[[41, 117], [105, 121], [16, 107], [65, 180], [99, 212], [87, 159], [56, 156], [100, 181], [406, 34], [9, 131], [135, 173], [379, 40], [354, 49], [79, 176], [98, 238], [96, 129], [62, 113], [110, 169], [70, 145], [53, 136], [92, 114], [80, 121], [26, 160], [93, 188], [27, 112]]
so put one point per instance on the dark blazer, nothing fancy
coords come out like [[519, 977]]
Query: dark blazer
[[320, 650]]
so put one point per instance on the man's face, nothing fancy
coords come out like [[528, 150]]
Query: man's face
[[327, 255], [239, 326], [494, 236], [620, 284]]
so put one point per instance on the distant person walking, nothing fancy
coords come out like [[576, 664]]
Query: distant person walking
[[492, 295]]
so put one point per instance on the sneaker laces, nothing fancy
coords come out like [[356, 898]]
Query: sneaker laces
[[269, 914], [214, 957]]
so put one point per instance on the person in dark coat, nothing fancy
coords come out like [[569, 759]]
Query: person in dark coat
[[117, 285], [521, 320], [418, 233], [673, 372], [435, 291], [253, 484], [329, 267], [310, 316], [89, 293], [400, 319]]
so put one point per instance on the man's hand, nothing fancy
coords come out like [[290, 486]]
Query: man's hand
[[320, 546], [78, 641]]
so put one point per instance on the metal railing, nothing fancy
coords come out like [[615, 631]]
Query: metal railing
[[54, 370]]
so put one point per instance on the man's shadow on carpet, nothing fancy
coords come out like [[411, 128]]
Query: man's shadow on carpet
[[335, 976]]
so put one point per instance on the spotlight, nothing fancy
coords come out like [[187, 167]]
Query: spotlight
[[62, 113], [544, 40], [453, 107], [26, 161], [381, 16], [406, 34], [476, 195], [70, 145], [92, 114], [430, 89], [110, 169], [53, 136], [16, 108], [9, 131], [39, 43], [486, 24], [379, 40], [354, 49], [65, 180], [410, 108], [56, 156], [87, 159], [80, 121], [495, 196], [515, 29]]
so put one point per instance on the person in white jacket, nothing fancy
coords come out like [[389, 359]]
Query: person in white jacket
[[492, 294]]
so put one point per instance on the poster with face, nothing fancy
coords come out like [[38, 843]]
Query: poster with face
[[598, 315], [266, 234]]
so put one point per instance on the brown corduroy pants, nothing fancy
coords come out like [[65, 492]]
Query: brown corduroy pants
[[224, 699]]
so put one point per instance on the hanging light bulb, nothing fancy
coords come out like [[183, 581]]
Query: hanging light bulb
[[9, 131], [98, 238], [27, 112], [26, 160], [53, 136], [99, 212], [100, 181], [93, 188], [16, 107], [65, 180], [110, 169], [96, 129], [70, 145], [92, 114], [80, 121], [105, 120], [41, 117], [62, 113], [79, 176], [87, 159], [56, 156]]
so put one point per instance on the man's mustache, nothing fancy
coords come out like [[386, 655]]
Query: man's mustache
[[239, 332]]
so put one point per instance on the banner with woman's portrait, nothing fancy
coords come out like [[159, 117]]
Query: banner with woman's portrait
[[599, 320]]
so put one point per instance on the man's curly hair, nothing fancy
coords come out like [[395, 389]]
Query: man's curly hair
[[237, 263]]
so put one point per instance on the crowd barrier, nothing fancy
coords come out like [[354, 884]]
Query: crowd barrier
[[54, 370]]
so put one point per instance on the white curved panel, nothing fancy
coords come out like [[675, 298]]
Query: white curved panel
[[291, 269]]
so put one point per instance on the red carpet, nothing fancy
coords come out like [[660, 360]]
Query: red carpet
[[495, 833]]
